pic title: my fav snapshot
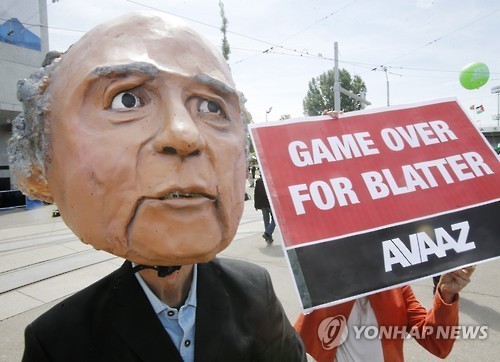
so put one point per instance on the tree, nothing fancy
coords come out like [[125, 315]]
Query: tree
[[320, 94], [285, 116], [246, 117], [226, 50]]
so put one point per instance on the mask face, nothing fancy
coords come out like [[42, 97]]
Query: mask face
[[147, 157]]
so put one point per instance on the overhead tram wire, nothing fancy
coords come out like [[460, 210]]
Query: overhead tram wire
[[197, 21], [298, 53], [294, 52], [297, 33], [372, 66], [319, 21], [445, 35], [36, 14], [49, 27], [272, 45], [435, 40], [40, 26]]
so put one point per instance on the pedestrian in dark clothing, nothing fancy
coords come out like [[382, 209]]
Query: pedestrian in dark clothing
[[261, 202], [250, 177]]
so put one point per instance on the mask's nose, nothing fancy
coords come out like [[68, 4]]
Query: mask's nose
[[179, 134]]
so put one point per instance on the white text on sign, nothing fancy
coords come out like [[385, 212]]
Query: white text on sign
[[423, 245]]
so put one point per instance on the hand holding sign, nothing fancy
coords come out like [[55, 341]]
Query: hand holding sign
[[452, 283]]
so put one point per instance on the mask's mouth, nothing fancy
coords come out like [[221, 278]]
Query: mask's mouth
[[186, 195]]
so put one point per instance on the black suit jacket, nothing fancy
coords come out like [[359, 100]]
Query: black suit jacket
[[238, 318]]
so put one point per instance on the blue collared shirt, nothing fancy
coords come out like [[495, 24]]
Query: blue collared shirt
[[179, 324]]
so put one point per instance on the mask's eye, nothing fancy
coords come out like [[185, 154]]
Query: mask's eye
[[126, 100], [208, 106]]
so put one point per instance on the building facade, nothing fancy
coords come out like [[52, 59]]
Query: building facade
[[23, 45]]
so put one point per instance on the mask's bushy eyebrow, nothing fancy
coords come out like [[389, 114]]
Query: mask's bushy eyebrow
[[118, 70], [213, 83]]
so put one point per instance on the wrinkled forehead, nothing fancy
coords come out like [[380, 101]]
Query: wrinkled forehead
[[157, 39]]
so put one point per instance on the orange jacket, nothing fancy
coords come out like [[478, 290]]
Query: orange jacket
[[395, 307]]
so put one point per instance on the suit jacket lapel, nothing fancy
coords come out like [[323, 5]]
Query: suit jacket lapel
[[211, 314], [136, 321]]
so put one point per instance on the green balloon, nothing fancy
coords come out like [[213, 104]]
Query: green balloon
[[474, 75]]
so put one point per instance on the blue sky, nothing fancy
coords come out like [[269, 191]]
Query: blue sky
[[279, 45]]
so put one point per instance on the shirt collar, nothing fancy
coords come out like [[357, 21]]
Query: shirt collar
[[160, 306]]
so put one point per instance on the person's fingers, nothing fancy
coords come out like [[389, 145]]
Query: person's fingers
[[461, 281], [459, 277], [465, 273], [455, 281], [470, 269]]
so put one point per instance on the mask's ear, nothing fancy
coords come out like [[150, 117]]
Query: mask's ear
[[28, 145], [27, 163]]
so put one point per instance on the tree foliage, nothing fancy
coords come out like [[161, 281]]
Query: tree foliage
[[246, 117], [226, 50], [320, 94]]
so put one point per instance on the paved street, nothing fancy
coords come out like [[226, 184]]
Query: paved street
[[41, 261]]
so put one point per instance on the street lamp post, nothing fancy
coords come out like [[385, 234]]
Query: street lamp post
[[387, 81], [496, 90], [268, 111]]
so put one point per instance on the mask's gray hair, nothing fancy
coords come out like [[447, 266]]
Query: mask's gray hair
[[242, 100], [27, 146]]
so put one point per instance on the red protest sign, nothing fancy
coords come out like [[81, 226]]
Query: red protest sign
[[334, 179]]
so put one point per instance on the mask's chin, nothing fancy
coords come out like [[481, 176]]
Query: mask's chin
[[171, 257], [173, 243], [161, 235]]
